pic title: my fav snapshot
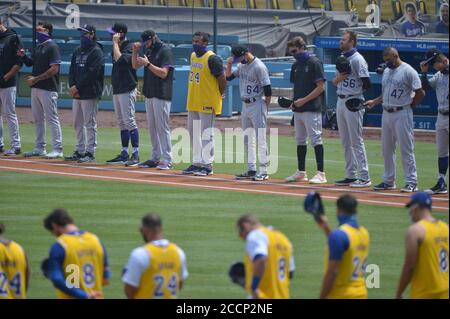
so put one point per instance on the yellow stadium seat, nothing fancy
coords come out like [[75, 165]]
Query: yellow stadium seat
[[239, 4], [387, 11], [260, 4], [312, 3], [337, 5], [286, 4]]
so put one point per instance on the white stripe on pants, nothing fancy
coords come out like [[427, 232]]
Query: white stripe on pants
[[85, 124], [45, 108], [350, 125], [254, 124], [201, 131], [8, 111], [442, 135], [158, 115], [398, 127], [124, 107]]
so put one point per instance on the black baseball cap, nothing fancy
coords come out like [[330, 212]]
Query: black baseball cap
[[118, 28], [147, 35], [431, 55], [421, 198], [238, 51], [87, 28]]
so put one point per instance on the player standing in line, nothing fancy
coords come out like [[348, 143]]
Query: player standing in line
[[401, 92], [14, 269], [157, 89], [308, 78], [439, 82], [254, 81], [44, 83], [426, 259], [86, 87], [206, 86], [75, 251], [124, 82], [10, 43], [346, 254], [269, 259], [350, 124], [157, 269]]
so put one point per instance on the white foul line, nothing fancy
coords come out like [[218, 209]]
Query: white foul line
[[190, 185]]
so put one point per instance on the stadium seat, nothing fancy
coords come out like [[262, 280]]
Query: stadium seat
[[339, 5], [260, 4], [238, 4], [224, 51], [398, 9], [313, 3], [283, 4]]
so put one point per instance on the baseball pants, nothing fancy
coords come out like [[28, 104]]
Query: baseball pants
[[85, 124], [398, 127], [8, 111], [158, 113], [350, 125], [124, 107], [45, 108], [308, 124], [254, 124], [442, 132], [201, 131]]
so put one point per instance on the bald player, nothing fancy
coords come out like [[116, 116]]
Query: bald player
[[14, 269], [401, 93], [156, 270], [439, 82], [269, 259], [426, 258]]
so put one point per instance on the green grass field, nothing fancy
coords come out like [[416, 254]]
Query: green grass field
[[200, 221]]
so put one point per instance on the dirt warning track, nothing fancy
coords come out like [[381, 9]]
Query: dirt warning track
[[215, 182]]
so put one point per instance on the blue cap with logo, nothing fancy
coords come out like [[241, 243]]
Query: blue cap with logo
[[420, 198]]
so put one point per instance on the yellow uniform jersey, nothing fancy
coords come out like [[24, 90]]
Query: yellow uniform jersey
[[430, 279], [275, 281], [13, 271], [350, 281], [163, 276], [203, 87], [84, 256]]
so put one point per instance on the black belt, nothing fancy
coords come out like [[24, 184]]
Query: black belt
[[345, 96], [251, 100], [445, 113], [394, 109]]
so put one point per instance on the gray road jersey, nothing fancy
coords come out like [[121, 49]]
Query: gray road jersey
[[439, 82], [399, 84], [252, 78], [353, 84]]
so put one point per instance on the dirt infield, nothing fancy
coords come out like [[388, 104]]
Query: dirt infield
[[108, 119], [216, 182]]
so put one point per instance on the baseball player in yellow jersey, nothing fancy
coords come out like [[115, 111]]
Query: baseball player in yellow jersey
[[347, 251], [426, 259], [14, 270], [157, 269], [269, 261], [206, 85], [78, 263]]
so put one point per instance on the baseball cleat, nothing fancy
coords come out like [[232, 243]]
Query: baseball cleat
[[260, 177], [246, 175], [409, 188], [87, 158], [384, 187], [319, 178], [74, 157], [190, 170], [439, 188], [35, 153], [299, 176], [120, 159], [13, 151], [204, 171], [345, 182], [164, 166], [148, 164], [361, 183], [133, 161], [54, 155]]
